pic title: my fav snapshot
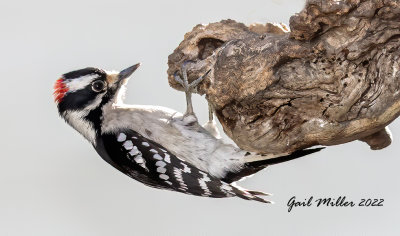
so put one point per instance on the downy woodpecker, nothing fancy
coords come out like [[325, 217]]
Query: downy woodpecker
[[155, 145]]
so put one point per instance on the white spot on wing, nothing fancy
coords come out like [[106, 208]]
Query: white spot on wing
[[153, 151], [145, 144], [164, 176], [121, 137], [161, 170], [186, 169], [160, 164], [168, 182], [203, 184], [205, 176], [178, 176], [141, 162], [144, 166], [128, 145], [134, 151], [139, 159], [167, 158], [158, 157]]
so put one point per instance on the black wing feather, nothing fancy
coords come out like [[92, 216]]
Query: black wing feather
[[150, 163]]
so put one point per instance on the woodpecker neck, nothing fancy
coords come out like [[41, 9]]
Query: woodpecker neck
[[78, 120], [88, 121]]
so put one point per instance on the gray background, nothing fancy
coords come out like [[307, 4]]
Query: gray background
[[53, 183]]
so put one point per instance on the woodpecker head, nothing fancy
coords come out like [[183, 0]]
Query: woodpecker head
[[81, 95]]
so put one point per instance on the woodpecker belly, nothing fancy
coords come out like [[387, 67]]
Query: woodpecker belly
[[183, 136]]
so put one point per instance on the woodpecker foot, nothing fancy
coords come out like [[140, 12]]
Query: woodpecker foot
[[189, 88], [211, 125]]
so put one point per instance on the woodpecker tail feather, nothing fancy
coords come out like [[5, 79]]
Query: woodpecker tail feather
[[260, 162], [249, 194], [281, 159]]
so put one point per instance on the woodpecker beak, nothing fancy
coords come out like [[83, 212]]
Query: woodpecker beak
[[116, 80], [124, 74]]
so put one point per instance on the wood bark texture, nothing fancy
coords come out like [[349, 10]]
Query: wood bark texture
[[333, 78]]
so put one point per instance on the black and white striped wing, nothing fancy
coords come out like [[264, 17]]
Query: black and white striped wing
[[153, 165]]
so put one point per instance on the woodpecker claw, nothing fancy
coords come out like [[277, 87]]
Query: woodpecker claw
[[178, 79], [189, 88]]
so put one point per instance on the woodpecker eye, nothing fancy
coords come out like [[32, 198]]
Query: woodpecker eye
[[98, 86]]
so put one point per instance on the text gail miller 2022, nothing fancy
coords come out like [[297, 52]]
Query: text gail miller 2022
[[341, 201]]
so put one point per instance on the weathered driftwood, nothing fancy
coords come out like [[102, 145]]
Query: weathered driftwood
[[334, 78]]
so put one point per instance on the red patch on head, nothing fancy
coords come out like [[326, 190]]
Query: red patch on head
[[60, 89]]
